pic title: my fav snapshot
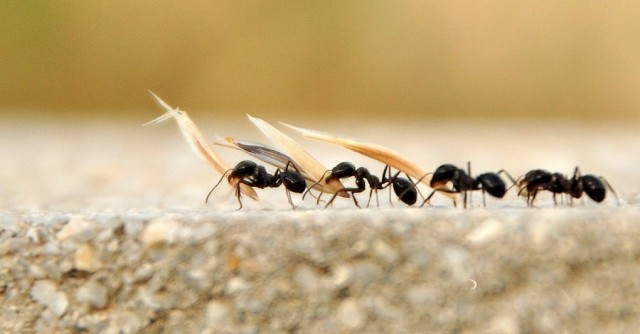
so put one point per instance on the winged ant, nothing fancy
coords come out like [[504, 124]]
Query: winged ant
[[256, 176]]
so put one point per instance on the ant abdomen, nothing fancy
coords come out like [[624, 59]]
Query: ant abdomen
[[405, 190], [594, 188], [294, 182], [492, 184]]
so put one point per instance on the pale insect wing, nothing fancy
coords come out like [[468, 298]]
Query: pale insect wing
[[374, 151], [259, 151], [196, 140]]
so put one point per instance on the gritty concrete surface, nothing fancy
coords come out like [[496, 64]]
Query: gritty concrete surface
[[103, 229]]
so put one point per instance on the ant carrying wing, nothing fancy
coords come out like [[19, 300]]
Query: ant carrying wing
[[311, 168], [378, 152], [267, 154], [196, 140]]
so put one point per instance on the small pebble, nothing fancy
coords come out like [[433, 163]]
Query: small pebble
[[46, 293], [85, 258], [216, 312], [92, 293], [486, 232], [350, 314], [161, 231], [78, 229]]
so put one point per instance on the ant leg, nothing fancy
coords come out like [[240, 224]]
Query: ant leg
[[332, 198], [206, 200], [238, 196], [455, 204], [290, 163], [388, 180], [484, 201], [289, 198], [355, 201], [513, 181], [377, 199], [315, 184], [532, 197], [351, 190], [464, 196], [428, 198], [370, 195], [577, 173], [465, 193], [415, 184], [610, 188]]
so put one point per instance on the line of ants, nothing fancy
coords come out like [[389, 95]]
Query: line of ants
[[447, 178]]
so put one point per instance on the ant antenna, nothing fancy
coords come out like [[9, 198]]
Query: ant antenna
[[206, 200], [470, 194], [315, 184], [418, 189], [502, 171], [610, 188]]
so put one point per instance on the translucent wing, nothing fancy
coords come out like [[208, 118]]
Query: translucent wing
[[197, 141], [259, 151], [309, 166]]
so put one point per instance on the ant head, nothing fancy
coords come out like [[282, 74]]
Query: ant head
[[342, 170], [242, 169], [594, 187], [443, 174], [537, 177]]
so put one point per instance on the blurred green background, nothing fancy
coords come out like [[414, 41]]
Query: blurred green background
[[409, 60]]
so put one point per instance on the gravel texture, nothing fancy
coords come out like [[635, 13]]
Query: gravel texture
[[103, 230]]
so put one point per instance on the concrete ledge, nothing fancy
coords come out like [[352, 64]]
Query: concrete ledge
[[313, 271]]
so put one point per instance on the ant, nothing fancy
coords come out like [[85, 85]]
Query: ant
[[405, 189], [462, 182], [249, 173], [538, 179]]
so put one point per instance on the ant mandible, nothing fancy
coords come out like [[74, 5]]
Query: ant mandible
[[254, 175], [463, 182]]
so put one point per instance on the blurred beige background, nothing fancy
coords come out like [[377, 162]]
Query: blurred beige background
[[410, 60]]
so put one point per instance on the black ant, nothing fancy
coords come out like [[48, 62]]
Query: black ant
[[538, 179], [462, 182], [404, 188], [249, 173]]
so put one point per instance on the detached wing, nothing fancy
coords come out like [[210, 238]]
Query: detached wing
[[374, 151], [196, 140]]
